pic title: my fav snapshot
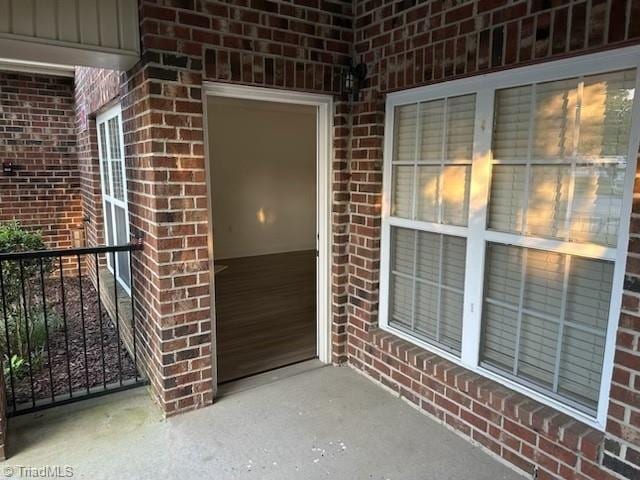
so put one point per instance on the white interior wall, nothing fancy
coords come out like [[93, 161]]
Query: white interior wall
[[263, 176]]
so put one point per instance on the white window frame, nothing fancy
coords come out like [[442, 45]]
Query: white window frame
[[477, 234], [104, 117]]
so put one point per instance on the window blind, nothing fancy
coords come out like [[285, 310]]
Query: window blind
[[427, 281], [550, 174], [120, 217], [545, 319], [106, 183], [433, 149], [116, 158], [560, 150], [108, 216]]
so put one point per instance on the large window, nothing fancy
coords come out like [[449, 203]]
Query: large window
[[114, 191], [505, 223]]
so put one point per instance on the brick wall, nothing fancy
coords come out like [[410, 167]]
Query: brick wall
[[297, 45], [407, 44], [303, 45], [37, 135], [94, 88]]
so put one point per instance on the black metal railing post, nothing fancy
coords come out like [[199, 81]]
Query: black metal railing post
[[26, 328], [133, 316], [66, 328], [46, 330], [7, 339], [117, 319], [84, 329], [104, 367]]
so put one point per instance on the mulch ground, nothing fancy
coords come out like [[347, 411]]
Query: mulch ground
[[94, 341]]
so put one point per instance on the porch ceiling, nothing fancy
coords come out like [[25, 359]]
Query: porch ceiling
[[325, 423], [96, 34]]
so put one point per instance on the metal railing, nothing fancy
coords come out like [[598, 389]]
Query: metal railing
[[68, 328]]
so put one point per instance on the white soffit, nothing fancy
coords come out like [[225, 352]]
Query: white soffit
[[93, 33]]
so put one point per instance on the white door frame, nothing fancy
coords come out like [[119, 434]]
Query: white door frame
[[324, 105]]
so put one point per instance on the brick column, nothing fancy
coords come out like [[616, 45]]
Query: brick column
[[162, 117], [340, 231]]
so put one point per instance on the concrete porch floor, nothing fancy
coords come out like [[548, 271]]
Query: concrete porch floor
[[318, 423]]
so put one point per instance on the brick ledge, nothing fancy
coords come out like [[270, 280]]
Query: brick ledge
[[481, 408]]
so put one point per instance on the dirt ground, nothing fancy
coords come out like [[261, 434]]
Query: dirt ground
[[84, 360]]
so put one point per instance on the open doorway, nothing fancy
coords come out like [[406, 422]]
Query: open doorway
[[267, 208]]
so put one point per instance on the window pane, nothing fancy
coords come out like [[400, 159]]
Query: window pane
[[537, 350], [122, 239], [565, 124], [428, 303], [503, 276], [605, 116], [454, 250], [402, 191], [116, 172], [597, 202], [116, 158], [546, 204], [403, 250], [401, 301], [428, 188], [544, 276], [461, 114], [548, 331], [555, 119], [506, 204], [405, 133], [511, 123], [499, 336], [455, 194], [441, 190], [548, 201], [451, 319], [589, 293], [108, 224], [104, 161], [428, 258], [595, 208], [114, 138], [427, 310], [581, 365], [431, 130]]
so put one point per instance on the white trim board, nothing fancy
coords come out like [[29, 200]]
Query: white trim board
[[10, 65], [476, 233], [324, 106]]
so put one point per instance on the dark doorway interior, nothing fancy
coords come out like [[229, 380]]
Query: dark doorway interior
[[263, 183]]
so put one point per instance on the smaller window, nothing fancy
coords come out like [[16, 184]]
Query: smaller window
[[114, 188]]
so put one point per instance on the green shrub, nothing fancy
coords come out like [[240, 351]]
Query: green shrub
[[22, 291]]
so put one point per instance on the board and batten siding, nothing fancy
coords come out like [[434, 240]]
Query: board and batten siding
[[97, 33]]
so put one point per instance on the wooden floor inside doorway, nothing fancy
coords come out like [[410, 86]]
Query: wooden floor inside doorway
[[265, 312]]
